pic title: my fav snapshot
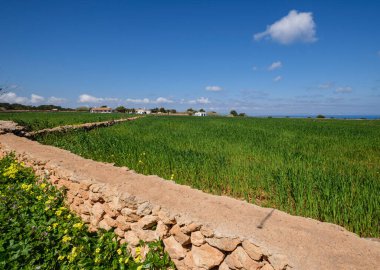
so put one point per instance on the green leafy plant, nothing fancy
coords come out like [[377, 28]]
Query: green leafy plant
[[39, 232]]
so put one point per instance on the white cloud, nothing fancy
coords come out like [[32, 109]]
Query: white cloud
[[296, 26], [85, 98], [203, 100], [254, 68], [163, 100], [11, 97], [55, 100], [275, 65], [344, 90], [214, 88], [327, 85], [144, 100], [36, 99], [277, 79]]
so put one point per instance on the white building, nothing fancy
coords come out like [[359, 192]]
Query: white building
[[101, 110], [143, 111], [200, 114]]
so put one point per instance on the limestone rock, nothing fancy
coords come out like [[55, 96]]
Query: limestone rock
[[145, 235], [197, 238], [97, 213], [223, 243], [224, 266], [155, 210], [192, 227], [239, 259], [188, 261], [144, 209], [253, 251], [131, 238], [165, 217], [130, 215], [122, 223], [206, 257], [110, 221], [119, 232], [104, 225], [278, 261], [267, 266], [162, 230], [207, 232], [109, 211], [174, 249], [182, 238], [147, 222]]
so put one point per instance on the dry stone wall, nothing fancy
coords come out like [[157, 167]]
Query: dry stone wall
[[190, 245]]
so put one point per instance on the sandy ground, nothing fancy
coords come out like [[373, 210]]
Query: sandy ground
[[308, 243]]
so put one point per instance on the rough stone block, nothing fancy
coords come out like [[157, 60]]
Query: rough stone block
[[252, 250], [174, 249], [239, 259], [223, 243], [206, 256]]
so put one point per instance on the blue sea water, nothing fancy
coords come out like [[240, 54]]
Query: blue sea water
[[327, 116]]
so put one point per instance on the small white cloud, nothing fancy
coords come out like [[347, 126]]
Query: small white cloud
[[327, 85], [214, 88], [163, 100], [55, 100], [277, 79], [203, 100], [36, 98], [296, 26], [139, 101], [344, 90], [275, 65], [11, 97], [254, 68], [84, 98]]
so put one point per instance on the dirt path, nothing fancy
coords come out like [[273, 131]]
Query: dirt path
[[307, 243]]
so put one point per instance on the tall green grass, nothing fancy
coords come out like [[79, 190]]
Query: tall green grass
[[40, 120], [324, 169]]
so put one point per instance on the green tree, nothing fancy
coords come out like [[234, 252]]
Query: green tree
[[234, 113], [121, 109]]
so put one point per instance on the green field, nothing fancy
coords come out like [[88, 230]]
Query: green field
[[40, 120], [324, 169]]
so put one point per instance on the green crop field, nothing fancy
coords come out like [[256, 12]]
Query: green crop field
[[324, 169], [40, 120]]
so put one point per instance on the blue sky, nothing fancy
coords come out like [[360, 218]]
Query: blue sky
[[258, 57]]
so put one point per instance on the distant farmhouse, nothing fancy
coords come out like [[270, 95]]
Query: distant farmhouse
[[101, 110], [200, 114], [143, 111]]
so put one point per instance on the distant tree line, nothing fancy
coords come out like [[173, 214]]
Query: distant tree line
[[235, 113], [123, 109], [16, 106]]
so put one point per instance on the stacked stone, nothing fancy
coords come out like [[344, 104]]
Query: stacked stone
[[190, 244]]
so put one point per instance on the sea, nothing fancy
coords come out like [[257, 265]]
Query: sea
[[327, 116]]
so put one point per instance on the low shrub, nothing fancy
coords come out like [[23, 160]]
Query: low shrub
[[39, 232]]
